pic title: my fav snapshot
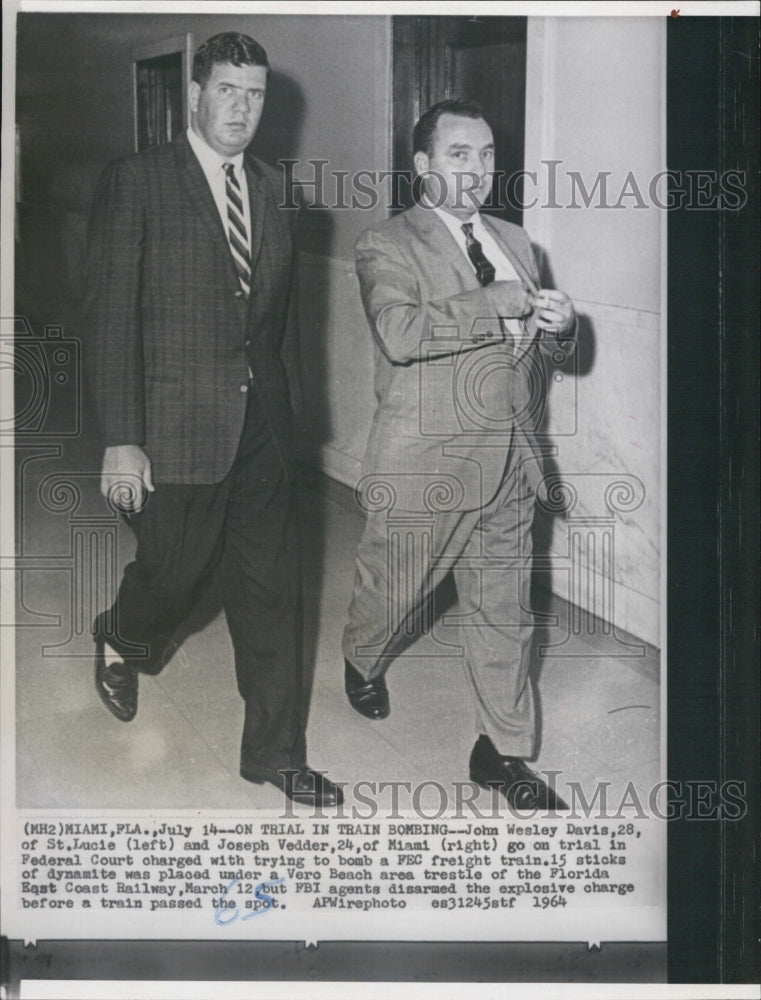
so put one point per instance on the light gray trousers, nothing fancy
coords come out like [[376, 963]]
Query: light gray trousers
[[401, 559]]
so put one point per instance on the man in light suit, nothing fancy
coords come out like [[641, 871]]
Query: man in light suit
[[454, 305], [189, 287]]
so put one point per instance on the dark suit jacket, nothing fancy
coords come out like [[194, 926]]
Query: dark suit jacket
[[453, 395], [169, 335]]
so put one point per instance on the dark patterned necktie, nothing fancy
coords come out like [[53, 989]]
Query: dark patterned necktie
[[237, 234], [484, 268]]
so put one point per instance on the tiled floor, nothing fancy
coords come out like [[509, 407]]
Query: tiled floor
[[600, 712]]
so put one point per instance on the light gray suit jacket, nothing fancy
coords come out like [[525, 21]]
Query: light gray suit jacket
[[455, 392]]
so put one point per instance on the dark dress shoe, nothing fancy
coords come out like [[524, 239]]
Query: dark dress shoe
[[369, 698], [521, 786], [300, 784], [116, 683]]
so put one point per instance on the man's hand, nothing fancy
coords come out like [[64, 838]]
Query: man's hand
[[125, 479], [554, 312]]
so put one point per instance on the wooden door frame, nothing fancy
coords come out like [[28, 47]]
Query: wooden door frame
[[420, 79]]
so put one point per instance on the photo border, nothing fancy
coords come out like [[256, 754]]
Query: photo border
[[712, 592]]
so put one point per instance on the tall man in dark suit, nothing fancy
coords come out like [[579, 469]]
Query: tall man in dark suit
[[190, 265], [454, 305]]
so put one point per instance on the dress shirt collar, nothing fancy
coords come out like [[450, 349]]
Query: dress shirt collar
[[209, 158], [505, 271], [455, 224]]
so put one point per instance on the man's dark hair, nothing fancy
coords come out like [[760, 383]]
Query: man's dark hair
[[227, 47], [422, 134]]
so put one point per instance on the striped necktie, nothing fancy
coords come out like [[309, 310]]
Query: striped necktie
[[237, 233]]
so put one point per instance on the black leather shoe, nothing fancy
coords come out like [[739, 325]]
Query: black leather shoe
[[369, 698], [116, 683], [300, 784], [521, 786]]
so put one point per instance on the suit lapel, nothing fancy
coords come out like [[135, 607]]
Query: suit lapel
[[257, 207], [432, 230], [430, 227], [512, 256], [198, 190], [528, 323]]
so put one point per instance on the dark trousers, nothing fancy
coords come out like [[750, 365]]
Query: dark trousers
[[243, 531]]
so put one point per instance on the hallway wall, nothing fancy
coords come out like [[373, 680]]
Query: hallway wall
[[596, 103]]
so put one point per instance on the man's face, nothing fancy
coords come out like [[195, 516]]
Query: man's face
[[462, 155], [225, 112]]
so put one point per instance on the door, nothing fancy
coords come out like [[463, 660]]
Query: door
[[479, 58]]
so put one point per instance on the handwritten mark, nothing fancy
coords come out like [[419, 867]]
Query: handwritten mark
[[625, 708], [224, 915], [675, 12]]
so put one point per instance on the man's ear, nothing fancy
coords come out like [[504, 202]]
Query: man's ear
[[194, 92], [421, 162]]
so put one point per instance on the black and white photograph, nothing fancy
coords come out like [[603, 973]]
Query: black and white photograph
[[340, 446]]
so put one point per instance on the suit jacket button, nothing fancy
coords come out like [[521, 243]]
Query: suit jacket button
[[244, 388], [248, 343]]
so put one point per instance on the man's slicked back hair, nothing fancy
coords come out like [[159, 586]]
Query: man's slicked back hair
[[422, 134]]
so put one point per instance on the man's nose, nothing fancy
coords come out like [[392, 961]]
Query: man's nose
[[480, 168]]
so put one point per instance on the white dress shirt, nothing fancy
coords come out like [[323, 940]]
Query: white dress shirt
[[213, 167]]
